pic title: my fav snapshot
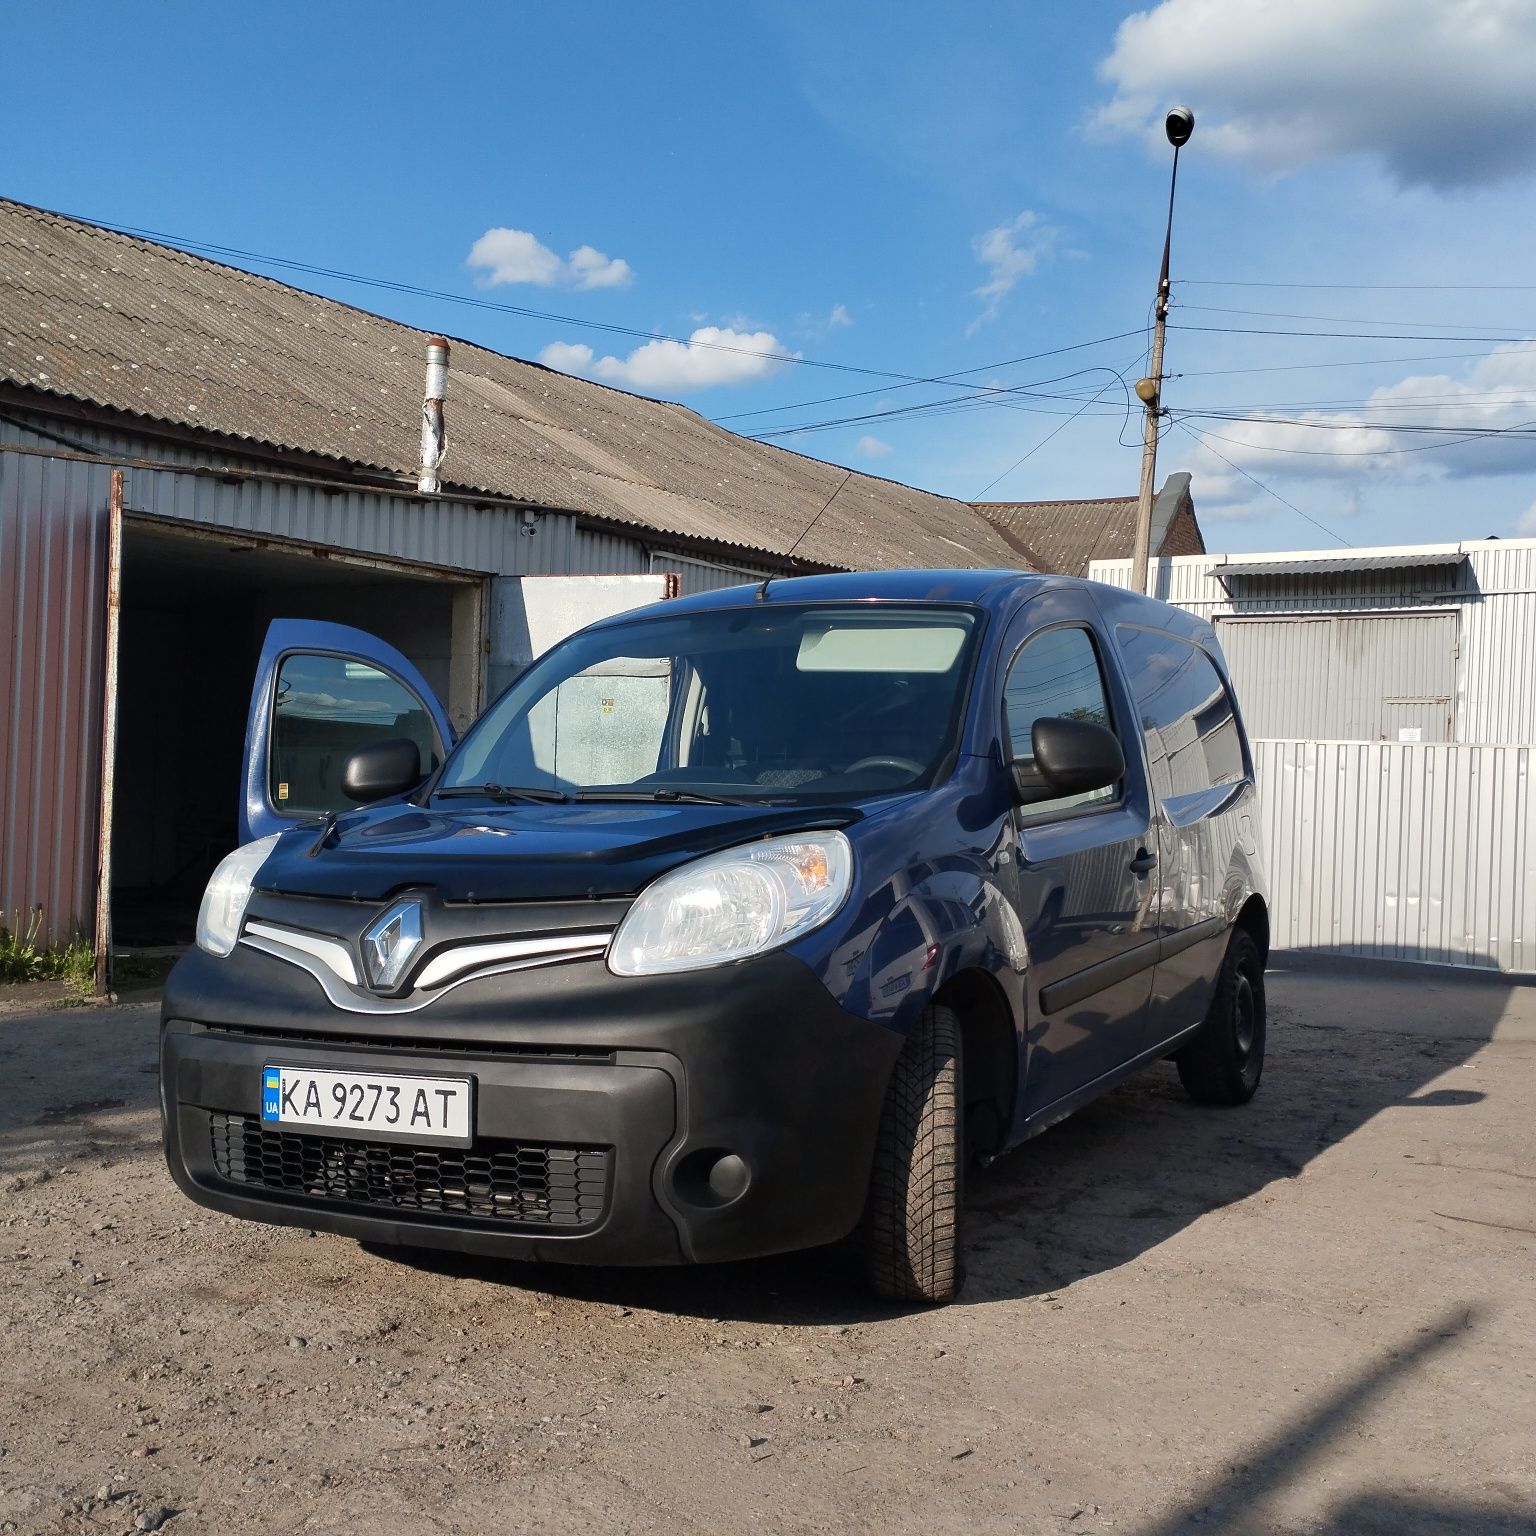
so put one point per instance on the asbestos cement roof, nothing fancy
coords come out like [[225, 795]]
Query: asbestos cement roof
[[1067, 535], [127, 325]]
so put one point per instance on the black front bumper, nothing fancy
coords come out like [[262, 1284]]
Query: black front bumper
[[602, 1104]]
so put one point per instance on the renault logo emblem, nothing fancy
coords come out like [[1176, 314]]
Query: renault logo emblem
[[389, 944]]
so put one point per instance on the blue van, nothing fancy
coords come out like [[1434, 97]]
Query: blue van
[[737, 924]]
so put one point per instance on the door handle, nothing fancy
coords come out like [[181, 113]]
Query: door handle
[[1144, 863]]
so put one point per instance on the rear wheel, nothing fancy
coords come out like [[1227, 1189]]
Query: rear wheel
[[912, 1223], [1223, 1063]]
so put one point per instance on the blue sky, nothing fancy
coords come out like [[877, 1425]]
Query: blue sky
[[909, 190]]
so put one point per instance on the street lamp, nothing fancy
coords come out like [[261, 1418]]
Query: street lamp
[[1178, 125]]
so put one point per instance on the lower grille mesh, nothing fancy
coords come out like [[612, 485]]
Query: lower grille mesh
[[511, 1181]]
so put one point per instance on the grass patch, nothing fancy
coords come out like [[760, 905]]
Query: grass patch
[[24, 957]]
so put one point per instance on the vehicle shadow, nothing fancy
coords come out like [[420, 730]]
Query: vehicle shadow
[[1123, 1175]]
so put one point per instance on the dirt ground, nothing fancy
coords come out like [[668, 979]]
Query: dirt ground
[[1313, 1314]]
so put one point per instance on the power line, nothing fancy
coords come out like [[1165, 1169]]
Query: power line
[[942, 378], [1515, 394], [1238, 330], [1520, 429], [1354, 362], [1365, 453], [229, 253], [1285, 314], [1268, 490], [919, 413], [1218, 282], [1060, 427]]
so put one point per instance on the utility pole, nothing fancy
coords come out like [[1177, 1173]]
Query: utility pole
[[1178, 125]]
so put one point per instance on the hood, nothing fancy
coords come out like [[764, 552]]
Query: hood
[[495, 852]]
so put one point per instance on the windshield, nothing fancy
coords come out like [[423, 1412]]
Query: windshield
[[796, 703]]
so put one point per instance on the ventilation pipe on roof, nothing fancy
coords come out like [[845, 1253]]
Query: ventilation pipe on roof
[[434, 434]]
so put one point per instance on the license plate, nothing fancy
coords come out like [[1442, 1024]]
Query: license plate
[[384, 1104]]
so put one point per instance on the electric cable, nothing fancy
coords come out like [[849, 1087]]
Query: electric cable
[[1269, 490]]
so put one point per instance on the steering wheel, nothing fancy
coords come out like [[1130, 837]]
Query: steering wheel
[[900, 764]]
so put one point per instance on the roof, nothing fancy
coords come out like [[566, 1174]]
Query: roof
[[968, 585], [126, 325], [1306, 564], [998, 592], [1067, 536]]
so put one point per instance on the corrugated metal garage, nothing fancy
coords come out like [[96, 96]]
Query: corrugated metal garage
[[267, 441]]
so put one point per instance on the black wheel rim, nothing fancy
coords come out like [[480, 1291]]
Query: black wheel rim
[[1244, 1016]]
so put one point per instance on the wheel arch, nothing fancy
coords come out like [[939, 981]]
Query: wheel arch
[[1254, 918], [990, 1048]]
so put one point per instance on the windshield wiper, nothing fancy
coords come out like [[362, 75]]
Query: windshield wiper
[[665, 796], [502, 792]]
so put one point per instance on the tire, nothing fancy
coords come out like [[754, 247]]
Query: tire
[[911, 1230], [1223, 1063]]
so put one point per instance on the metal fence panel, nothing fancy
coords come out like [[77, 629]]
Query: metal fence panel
[[1402, 850]]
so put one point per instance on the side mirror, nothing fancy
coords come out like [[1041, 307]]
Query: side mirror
[[1071, 757], [381, 769]]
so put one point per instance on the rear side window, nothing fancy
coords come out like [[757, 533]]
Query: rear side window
[[1055, 673], [1193, 742]]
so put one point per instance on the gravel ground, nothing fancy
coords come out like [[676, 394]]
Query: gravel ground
[[1314, 1314]]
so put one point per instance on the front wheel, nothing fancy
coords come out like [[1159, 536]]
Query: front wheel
[[1223, 1063], [912, 1223]]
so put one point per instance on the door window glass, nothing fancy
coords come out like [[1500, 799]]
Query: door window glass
[[1186, 714], [326, 708], [1056, 673]]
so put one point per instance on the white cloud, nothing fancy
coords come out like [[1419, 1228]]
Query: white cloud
[[592, 269], [711, 356], [1494, 394], [814, 327], [1221, 502], [872, 447], [1525, 524], [567, 356], [1010, 251], [1443, 92], [515, 256]]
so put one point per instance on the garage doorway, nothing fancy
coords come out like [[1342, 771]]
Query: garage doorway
[[196, 603]]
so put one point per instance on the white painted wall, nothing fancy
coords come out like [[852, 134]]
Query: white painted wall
[[529, 614]]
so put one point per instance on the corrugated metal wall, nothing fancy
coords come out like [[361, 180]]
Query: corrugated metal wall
[[1368, 677], [53, 521], [702, 575], [1493, 594], [53, 518], [1498, 644], [444, 532], [1402, 851]]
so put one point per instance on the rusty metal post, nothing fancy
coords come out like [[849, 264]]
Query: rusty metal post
[[103, 937]]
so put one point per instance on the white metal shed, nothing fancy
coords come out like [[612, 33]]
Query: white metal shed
[[1391, 695]]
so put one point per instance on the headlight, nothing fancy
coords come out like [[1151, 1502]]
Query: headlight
[[733, 904], [224, 902]]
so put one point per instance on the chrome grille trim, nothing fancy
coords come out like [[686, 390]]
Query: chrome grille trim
[[447, 970]]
